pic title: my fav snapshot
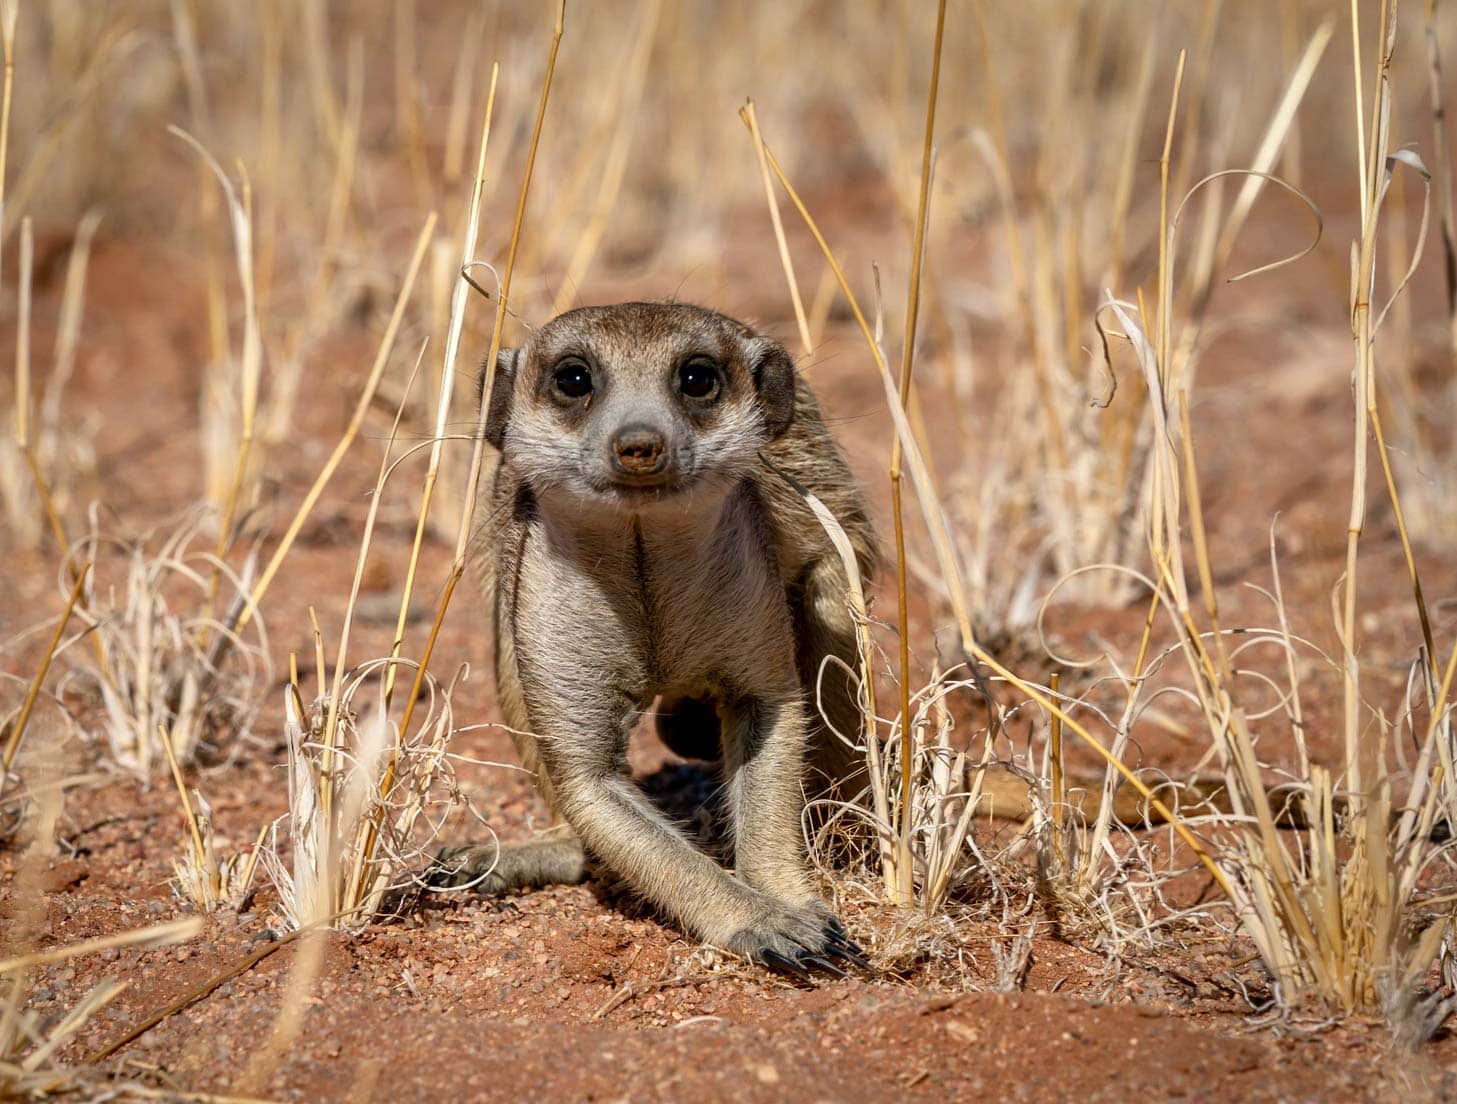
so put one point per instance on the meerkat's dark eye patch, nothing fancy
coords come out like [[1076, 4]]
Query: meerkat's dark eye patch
[[572, 378], [699, 378]]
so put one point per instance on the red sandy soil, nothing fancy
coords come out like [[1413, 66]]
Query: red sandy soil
[[575, 994]]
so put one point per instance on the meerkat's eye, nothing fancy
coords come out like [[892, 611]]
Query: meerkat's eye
[[573, 378], [698, 378]]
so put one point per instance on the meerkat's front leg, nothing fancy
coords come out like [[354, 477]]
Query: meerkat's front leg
[[764, 740], [622, 829], [764, 758]]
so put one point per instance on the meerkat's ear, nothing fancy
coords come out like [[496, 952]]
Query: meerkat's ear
[[773, 369], [501, 390]]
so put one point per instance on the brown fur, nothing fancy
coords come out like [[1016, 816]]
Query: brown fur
[[636, 546]]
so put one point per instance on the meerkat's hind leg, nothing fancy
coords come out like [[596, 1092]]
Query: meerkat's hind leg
[[489, 868], [824, 628]]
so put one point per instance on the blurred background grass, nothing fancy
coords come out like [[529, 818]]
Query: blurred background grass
[[346, 123]]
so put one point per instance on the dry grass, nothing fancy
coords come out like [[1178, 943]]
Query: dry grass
[[49, 464], [356, 797], [163, 679], [29, 1044], [1333, 910], [359, 780], [1422, 395], [1031, 250], [203, 877]]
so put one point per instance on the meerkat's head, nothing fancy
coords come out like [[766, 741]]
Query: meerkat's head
[[636, 403]]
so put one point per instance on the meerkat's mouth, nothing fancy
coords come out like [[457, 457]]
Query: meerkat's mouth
[[637, 488]]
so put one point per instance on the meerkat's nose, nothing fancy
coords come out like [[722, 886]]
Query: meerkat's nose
[[639, 450]]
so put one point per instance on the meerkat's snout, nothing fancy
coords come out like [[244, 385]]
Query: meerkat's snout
[[640, 452]]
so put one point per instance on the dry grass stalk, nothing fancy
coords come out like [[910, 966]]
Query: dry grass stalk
[[1331, 912], [289, 1022], [56, 453], [357, 785], [9, 14], [466, 528], [447, 378], [83, 57], [154, 935], [1053, 475], [14, 727], [498, 327], [1199, 287], [217, 401], [1421, 405], [221, 441], [806, 342], [202, 877], [633, 81], [356, 420], [1447, 219], [320, 305], [905, 882]]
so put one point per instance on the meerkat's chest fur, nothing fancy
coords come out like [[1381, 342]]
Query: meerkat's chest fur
[[659, 601]]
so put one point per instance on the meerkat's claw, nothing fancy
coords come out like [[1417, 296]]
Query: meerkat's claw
[[837, 942], [846, 944], [783, 964], [823, 964], [790, 945], [850, 954]]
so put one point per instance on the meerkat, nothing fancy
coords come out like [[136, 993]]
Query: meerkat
[[639, 544]]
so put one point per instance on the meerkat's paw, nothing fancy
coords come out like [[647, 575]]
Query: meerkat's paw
[[798, 941], [494, 868], [471, 866]]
